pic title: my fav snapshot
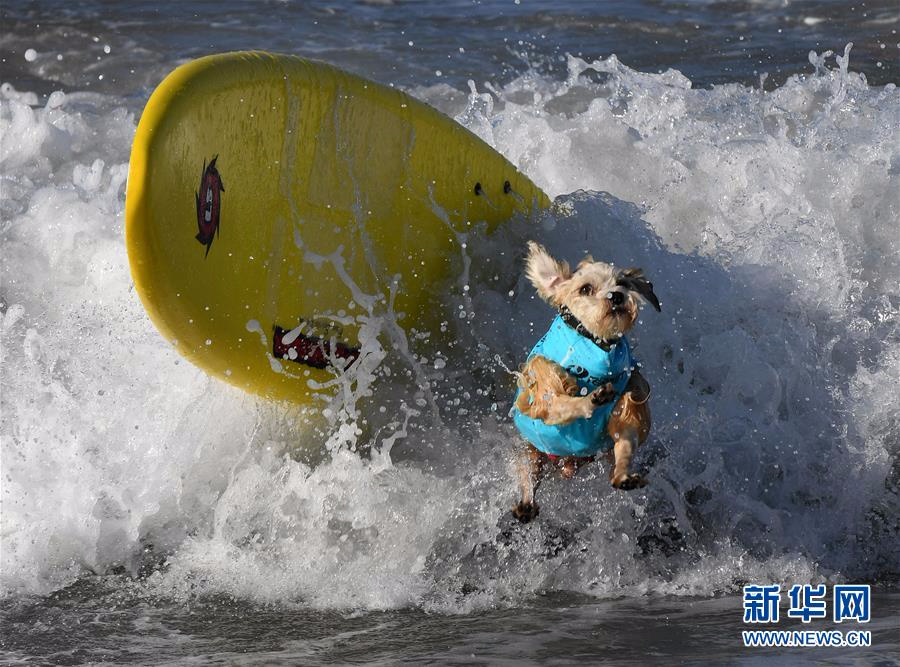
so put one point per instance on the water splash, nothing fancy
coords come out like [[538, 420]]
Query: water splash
[[765, 219]]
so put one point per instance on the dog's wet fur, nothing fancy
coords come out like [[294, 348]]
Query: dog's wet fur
[[606, 302]]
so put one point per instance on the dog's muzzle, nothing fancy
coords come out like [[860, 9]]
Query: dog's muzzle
[[616, 301]]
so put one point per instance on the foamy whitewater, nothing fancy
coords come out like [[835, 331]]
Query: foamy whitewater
[[768, 222]]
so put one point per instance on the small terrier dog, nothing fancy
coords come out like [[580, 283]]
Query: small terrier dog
[[580, 392]]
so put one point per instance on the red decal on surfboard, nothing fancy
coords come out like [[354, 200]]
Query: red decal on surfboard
[[209, 204], [312, 351]]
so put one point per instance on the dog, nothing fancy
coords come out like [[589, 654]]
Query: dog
[[580, 392]]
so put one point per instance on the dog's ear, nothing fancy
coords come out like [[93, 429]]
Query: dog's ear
[[544, 272], [633, 279]]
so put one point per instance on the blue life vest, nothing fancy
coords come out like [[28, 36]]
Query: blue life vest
[[591, 366]]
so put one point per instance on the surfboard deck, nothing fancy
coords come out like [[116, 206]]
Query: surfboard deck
[[271, 200]]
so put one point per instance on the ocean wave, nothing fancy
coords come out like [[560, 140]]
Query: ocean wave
[[767, 222]]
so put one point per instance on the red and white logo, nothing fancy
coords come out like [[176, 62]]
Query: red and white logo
[[209, 202]]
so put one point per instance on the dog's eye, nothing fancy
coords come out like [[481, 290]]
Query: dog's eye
[[586, 290]]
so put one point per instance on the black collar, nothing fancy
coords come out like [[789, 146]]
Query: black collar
[[605, 344]]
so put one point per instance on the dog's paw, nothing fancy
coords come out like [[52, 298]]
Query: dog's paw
[[603, 395], [525, 512], [628, 482]]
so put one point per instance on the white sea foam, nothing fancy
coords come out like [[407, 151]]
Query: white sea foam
[[767, 221]]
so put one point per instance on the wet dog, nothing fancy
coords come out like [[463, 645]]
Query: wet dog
[[579, 392]]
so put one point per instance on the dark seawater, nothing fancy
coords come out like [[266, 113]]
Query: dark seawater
[[96, 622], [153, 516], [709, 42]]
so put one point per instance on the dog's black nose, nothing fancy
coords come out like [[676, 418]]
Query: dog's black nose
[[616, 298]]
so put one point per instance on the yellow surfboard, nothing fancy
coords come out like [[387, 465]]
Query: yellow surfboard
[[273, 199]]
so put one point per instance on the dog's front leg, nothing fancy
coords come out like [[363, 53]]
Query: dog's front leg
[[619, 476], [628, 427], [530, 467], [563, 409]]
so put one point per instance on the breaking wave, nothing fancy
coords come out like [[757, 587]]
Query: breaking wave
[[767, 222]]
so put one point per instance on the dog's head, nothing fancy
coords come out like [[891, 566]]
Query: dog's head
[[604, 299]]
